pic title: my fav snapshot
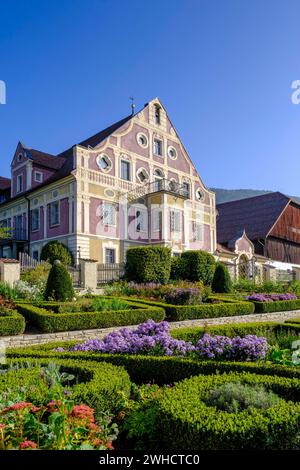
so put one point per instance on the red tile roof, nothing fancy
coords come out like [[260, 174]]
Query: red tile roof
[[5, 183], [45, 159]]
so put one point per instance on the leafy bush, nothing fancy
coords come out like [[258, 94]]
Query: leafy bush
[[148, 264], [11, 323], [179, 296], [59, 284], [236, 396], [276, 306], [7, 291], [37, 275], [248, 285], [176, 270], [188, 312], [55, 250], [187, 422], [197, 265], [221, 280], [26, 291], [49, 322]]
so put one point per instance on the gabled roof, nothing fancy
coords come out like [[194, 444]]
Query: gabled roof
[[5, 183], [256, 215], [96, 139], [45, 159]]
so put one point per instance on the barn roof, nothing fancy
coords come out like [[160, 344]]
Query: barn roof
[[255, 215]]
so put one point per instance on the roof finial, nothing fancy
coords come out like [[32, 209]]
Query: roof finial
[[132, 105]]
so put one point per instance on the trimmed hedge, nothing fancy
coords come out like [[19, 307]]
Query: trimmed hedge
[[11, 323], [56, 250], [227, 308], [59, 284], [96, 384], [157, 369], [276, 306], [197, 265], [49, 322], [148, 264], [186, 422], [221, 280]]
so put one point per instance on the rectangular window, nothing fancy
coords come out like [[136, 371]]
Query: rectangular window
[[54, 214], [19, 183], [158, 147], [125, 170], [35, 255], [109, 214], [198, 232], [35, 220], [38, 176], [141, 221], [156, 219], [186, 189], [175, 221], [110, 256]]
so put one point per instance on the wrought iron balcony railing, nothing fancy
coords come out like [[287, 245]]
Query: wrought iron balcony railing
[[162, 185]]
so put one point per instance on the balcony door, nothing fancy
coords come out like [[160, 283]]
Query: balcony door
[[19, 227]]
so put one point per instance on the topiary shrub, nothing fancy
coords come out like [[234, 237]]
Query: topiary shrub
[[221, 281], [197, 265], [175, 268], [59, 284], [148, 264], [57, 251]]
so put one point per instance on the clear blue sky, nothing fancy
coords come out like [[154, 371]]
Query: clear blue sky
[[223, 69]]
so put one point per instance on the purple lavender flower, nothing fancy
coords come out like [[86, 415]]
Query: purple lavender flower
[[271, 297]]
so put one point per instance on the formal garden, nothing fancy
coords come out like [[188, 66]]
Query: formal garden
[[148, 384]]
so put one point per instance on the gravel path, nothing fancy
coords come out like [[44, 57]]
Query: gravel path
[[35, 339]]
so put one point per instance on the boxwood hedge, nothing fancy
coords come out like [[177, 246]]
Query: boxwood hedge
[[186, 422], [227, 308], [97, 384], [49, 322], [277, 306], [11, 323], [148, 264]]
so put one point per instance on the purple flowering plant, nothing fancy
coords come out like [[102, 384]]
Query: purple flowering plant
[[271, 297], [152, 338]]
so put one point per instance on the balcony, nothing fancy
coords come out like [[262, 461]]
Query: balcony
[[159, 186], [16, 235]]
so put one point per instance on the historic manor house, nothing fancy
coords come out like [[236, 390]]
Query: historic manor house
[[131, 184]]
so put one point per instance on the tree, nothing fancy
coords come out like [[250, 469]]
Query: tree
[[59, 284], [55, 250], [222, 281]]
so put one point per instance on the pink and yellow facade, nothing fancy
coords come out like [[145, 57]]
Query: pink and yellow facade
[[131, 184]]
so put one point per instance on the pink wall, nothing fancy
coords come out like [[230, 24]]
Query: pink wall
[[206, 244], [243, 245], [96, 220], [180, 163], [93, 161], [63, 227], [47, 173], [15, 174], [129, 141], [39, 234]]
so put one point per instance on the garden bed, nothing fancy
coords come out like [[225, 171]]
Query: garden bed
[[47, 320]]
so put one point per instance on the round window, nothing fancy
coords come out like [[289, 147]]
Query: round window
[[172, 153], [104, 162], [199, 194], [142, 140]]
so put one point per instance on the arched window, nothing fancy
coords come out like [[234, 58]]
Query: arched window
[[158, 179], [157, 114]]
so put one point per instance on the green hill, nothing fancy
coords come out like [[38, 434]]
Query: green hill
[[227, 195]]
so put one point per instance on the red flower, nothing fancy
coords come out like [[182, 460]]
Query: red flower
[[94, 427], [35, 409], [2, 426], [83, 412], [109, 445], [27, 445], [19, 406], [97, 442], [53, 405]]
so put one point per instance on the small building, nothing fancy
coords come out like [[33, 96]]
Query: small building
[[270, 223]]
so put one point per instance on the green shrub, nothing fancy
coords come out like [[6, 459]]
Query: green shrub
[[222, 281], [55, 250], [267, 287], [148, 264], [236, 396], [99, 385], [276, 306], [37, 275], [186, 422], [7, 291], [11, 323], [175, 268], [197, 265], [96, 304], [49, 321], [209, 310], [179, 296], [59, 284]]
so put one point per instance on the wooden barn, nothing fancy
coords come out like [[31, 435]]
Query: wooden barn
[[271, 222]]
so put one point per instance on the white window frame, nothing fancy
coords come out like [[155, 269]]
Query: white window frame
[[156, 140], [36, 173], [141, 219], [170, 150], [139, 136], [109, 210], [108, 159], [37, 211], [156, 220], [51, 224], [142, 170], [129, 169], [19, 183], [114, 254], [175, 216]]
